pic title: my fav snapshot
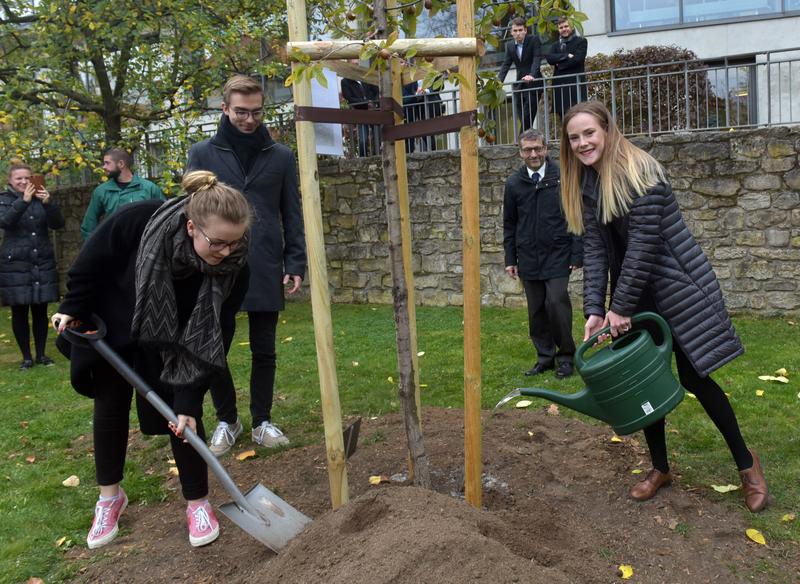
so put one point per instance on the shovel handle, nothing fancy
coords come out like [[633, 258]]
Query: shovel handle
[[143, 389]]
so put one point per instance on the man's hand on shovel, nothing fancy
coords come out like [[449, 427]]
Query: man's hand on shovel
[[183, 421]]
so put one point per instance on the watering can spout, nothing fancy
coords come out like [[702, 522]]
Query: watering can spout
[[581, 401]]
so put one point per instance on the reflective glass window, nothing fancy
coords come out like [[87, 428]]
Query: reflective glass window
[[701, 10], [632, 14]]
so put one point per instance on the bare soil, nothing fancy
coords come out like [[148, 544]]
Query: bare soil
[[555, 510]]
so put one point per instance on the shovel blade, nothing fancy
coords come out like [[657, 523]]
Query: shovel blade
[[270, 519]]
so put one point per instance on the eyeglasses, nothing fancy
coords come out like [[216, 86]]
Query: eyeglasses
[[243, 114], [218, 245], [537, 149]]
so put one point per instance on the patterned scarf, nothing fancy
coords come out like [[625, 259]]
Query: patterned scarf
[[193, 354]]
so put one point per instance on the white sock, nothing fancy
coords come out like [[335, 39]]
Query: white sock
[[104, 499]]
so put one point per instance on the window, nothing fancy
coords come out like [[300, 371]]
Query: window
[[633, 14]]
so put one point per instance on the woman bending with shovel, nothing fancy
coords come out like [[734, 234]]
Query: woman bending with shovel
[[167, 279], [617, 196]]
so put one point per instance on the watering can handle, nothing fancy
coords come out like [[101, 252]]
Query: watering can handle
[[664, 349]]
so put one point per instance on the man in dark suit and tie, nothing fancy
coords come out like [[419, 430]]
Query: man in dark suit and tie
[[525, 53]]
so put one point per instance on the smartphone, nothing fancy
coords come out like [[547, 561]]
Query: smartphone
[[38, 181]]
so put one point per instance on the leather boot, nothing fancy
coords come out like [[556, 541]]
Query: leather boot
[[646, 489], [756, 493]]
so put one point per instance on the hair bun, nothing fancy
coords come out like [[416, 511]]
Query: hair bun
[[198, 180]]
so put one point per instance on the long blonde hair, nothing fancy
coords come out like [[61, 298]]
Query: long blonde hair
[[625, 171]]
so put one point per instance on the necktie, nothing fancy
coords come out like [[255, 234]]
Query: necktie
[[519, 52], [535, 179]]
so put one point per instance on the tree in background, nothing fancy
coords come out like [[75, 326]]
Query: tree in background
[[78, 76]]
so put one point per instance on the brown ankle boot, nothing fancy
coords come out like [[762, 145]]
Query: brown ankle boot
[[756, 493], [646, 489]]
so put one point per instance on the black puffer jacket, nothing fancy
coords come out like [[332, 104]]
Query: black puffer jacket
[[535, 235], [650, 253], [27, 261]]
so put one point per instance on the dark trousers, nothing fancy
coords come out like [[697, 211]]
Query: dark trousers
[[263, 326], [526, 102], [550, 319], [112, 404], [19, 326], [716, 405]]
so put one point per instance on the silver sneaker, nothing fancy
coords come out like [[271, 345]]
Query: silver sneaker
[[269, 435], [225, 437]]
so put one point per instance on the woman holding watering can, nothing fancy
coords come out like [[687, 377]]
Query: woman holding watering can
[[618, 197], [167, 279]]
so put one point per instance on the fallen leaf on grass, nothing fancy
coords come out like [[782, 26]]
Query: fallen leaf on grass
[[724, 488], [287, 340], [779, 378], [423, 385], [691, 395], [378, 479], [636, 471], [60, 541], [23, 424], [173, 470], [355, 363], [759, 393], [246, 454], [30, 459], [171, 461], [625, 571], [552, 410], [756, 536], [34, 580], [390, 379], [791, 322], [244, 343], [788, 517], [782, 371], [523, 403], [616, 438], [72, 481]]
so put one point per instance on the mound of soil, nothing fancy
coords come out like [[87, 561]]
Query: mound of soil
[[555, 509]]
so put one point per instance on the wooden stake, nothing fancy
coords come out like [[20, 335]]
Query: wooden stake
[[320, 297], [400, 289], [351, 49], [470, 216]]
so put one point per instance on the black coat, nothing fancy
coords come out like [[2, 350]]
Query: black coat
[[28, 272], [102, 281], [535, 235], [650, 254], [277, 242], [530, 62], [358, 94], [558, 57]]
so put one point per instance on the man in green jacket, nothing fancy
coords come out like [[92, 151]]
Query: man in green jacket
[[121, 188]]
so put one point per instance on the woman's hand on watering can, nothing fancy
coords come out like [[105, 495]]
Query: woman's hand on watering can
[[593, 324], [183, 421], [619, 324]]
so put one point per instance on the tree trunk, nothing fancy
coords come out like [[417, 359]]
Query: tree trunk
[[405, 361]]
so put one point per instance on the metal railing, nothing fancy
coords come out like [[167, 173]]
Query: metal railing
[[646, 100]]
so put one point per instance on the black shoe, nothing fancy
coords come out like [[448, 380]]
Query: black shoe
[[564, 370], [44, 360], [26, 364], [538, 368]]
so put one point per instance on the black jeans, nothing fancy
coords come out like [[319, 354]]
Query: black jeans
[[112, 404], [263, 327], [550, 319], [19, 326]]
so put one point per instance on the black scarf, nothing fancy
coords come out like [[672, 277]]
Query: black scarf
[[245, 146], [562, 42], [191, 355]]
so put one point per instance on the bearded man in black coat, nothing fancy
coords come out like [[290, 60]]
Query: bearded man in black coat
[[243, 155], [541, 253], [568, 57]]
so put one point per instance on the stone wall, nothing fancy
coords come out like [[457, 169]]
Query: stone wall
[[739, 192]]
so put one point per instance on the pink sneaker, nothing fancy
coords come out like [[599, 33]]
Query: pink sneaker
[[203, 524], [106, 517]]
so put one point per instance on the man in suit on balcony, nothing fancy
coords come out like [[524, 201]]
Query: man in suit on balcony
[[525, 53], [567, 56]]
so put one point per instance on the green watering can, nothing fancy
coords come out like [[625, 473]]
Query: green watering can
[[629, 383]]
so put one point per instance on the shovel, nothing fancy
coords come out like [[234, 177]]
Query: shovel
[[259, 512]]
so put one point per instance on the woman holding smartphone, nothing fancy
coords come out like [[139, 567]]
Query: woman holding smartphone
[[28, 276]]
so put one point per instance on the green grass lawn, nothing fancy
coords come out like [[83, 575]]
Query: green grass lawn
[[43, 417]]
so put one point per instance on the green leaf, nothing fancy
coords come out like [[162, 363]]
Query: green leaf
[[412, 50], [319, 75]]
